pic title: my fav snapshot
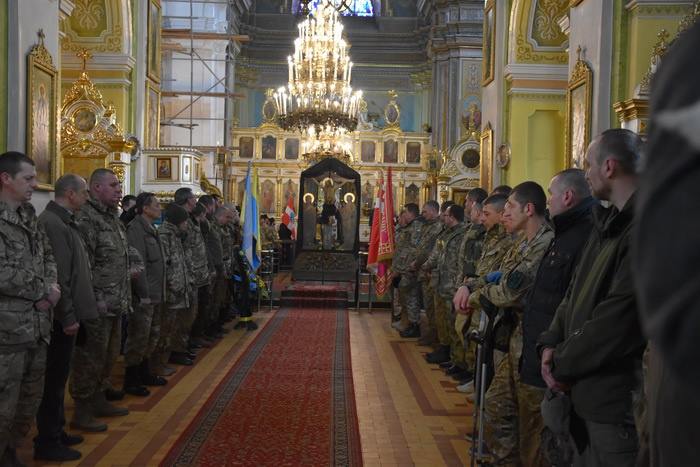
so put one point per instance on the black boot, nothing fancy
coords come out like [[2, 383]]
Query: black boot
[[132, 382], [442, 354], [148, 378], [56, 453], [114, 394], [413, 330]]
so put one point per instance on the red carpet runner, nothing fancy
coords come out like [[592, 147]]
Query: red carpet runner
[[288, 401]]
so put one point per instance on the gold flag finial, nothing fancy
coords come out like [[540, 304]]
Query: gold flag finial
[[41, 35], [578, 53], [84, 55]]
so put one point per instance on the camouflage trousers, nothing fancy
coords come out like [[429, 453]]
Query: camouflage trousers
[[220, 299], [429, 302], [410, 298], [464, 353], [94, 359], [21, 389], [512, 420], [183, 325], [444, 320], [167, 331], [143, 332]]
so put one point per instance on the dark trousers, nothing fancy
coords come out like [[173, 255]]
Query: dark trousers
[[50, 418]]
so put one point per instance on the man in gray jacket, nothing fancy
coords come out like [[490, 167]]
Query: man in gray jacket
[[77, 303]]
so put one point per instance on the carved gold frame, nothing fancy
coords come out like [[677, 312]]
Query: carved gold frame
[[39, 61], [486, 152], [573, 3], [488, 70], [153, 46], [581, 77], [151, 88]]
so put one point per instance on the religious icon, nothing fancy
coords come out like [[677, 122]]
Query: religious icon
[[269, 147], [489, 42], [367, 151], [245, 147], [391, 152], [267, 196], [153, 52], [84, 120], [578, 127], [291, 148], [164, 168], [186, 169], [152, 115], [413, 153]]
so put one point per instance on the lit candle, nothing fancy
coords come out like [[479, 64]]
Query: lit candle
[[349, 72]]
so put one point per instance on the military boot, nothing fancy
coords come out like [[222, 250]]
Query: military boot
[[102, 408], [132, 382], [428, 337], [147, 377], [158, 365], [84, 419], [413, 330], [442, 354]]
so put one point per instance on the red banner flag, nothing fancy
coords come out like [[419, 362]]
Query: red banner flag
[[381, 245]]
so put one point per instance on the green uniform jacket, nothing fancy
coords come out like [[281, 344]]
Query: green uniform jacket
[[177, 284], [196, 255], [144, 238], [105, 239], [596, 333], [406, 243], [429, 232], [448, 262], [497, 242], [27, 269], [470, 252], [519, 269]]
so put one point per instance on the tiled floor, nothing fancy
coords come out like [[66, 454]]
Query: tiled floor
[[409, 412]]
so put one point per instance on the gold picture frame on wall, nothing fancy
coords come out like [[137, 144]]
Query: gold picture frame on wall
[[486, 150], [42, 114], [153, 50], [578, 113], [489, 44], [152, 122]]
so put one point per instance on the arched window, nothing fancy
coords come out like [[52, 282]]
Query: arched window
[[352, 7]]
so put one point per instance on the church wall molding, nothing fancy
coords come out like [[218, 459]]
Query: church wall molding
[[514, 71], [99, 61]]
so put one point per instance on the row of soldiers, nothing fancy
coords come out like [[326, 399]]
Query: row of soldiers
[[71, 276], [548, 283]]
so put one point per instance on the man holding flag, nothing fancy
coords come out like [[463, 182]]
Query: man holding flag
[[250, 248]]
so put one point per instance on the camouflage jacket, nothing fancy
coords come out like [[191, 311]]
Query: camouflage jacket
[[406, 242], [196, 255], [519, 269], [429, 232], [269, 237], [214, 247], [448, 262], [497, 242], [108, 249], [177, 284], [227, 248], [470, 251], [27, 269]]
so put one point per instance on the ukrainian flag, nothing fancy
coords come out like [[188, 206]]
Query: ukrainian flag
[[251, 220]]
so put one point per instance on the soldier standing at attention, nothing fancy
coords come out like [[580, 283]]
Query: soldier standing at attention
[[198, 275], [77, 305], [447, 271], [28, 291], [178, 290], [105, 238], [409, 293], [430, 229], [510, 436], [144, 322]]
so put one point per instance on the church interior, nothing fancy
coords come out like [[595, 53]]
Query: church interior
[[444, 96]]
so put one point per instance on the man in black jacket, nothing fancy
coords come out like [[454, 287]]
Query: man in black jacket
[[77, 303], [570, 204], [594, 345]]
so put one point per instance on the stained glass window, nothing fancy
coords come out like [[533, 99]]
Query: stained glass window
[[349, 7]]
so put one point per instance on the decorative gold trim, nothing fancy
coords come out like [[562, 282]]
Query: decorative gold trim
[[486, 153], [395, 106], [153, 58], [581, 76], [632, 109], [208, 186], [151, 87], [574, 3], [39, 60], [488, 72]]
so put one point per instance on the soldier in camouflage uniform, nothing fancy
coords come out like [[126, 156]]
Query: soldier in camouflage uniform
[[444, 260], [178, 289], [409, 293], [461, 353], [510, 436], [198, 274], [429, 231], [106, 243], [144, 323], [28, 292], [206, 307]]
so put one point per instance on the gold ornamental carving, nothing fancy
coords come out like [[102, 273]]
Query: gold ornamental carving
[[546, 31], [119, 170], [208, 187], [96, 24]]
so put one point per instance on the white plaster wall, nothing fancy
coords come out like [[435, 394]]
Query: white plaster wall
[[591, 28], [25, 18]]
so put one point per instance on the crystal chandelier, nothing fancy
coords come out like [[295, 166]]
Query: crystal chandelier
[[318, 101]]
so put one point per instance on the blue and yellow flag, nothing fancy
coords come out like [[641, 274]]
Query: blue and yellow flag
[[251, 220]]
